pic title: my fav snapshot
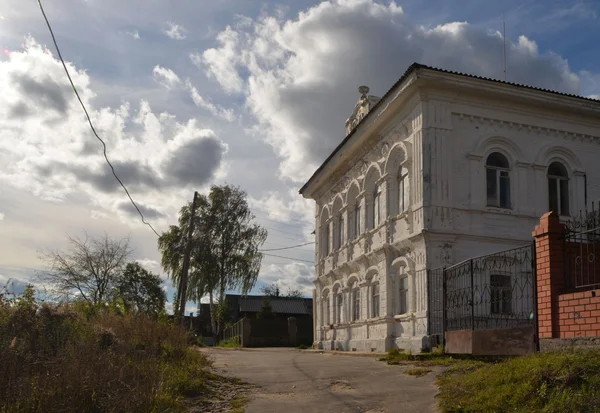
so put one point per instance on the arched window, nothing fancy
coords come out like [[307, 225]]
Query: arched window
[[558, 188], [375, 300], [357, 226], [355, 302], [376, 207], [325, 304], [325, 234], [402, 294], [339, 236], [339, 302], [497, 180], [403, 193]]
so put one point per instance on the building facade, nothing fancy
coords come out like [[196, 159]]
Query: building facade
[[445, 166]]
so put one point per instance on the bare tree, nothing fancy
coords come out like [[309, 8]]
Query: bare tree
[[90, 267]]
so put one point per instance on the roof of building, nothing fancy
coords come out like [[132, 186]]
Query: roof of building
[[415, 66], [281, 305]]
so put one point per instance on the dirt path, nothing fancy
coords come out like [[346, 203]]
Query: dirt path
[[292, 381]]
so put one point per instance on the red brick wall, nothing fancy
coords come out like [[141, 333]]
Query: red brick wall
[[579, 314]]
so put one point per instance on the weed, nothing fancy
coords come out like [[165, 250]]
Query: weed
[[233, 342], [418, 372]]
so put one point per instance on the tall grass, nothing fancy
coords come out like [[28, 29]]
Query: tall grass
[[59, 358]]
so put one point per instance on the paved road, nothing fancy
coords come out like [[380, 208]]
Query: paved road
[[292, 381]]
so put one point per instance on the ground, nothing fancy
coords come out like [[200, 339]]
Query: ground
[[290, 381]]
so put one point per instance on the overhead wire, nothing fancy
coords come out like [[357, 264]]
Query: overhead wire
[[89, 119], [287, 248], [288, 258]]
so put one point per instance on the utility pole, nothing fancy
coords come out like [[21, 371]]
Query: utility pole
[[186, 263]]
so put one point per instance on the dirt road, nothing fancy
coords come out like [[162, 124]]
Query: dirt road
[[292, 381]]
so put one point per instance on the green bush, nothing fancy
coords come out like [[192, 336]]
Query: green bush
[[233, 342], [79, 358], [543, 382]]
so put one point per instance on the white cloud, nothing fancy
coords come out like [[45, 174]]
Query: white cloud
[[221, 64], [175, 31], [300, 76], [151, 152], [135, 34], [1, 216], [295, 275], [166, 77], [216, 110]]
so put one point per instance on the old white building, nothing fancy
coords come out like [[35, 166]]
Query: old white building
[[445, 166]]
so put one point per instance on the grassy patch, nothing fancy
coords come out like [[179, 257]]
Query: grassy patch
[[302, 347], [418, 372], [58, 358], [435, 358], [238, 403], [233, 342], [545, 382]]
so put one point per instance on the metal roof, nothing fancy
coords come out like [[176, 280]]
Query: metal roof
[[281, 305], [415, 66]]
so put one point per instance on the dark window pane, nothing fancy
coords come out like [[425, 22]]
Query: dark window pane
[[504, 190], [553, 195], [492, 187], [564, 197], [557, 169], [498, 160]]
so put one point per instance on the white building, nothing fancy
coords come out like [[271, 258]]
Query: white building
[[445, 166]]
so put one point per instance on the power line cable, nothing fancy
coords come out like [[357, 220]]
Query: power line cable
[[89, 119], [288, 258], [287, 248]]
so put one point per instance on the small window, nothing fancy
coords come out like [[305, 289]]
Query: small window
[[403, 295], [375, 301], [326, 303], [339, 301], [376, 207], [497, 181], [402, 190], [501, 294], [558, 188], [357, 220], [356, 304]]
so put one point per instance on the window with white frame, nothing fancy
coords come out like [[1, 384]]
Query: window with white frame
[[357, 219], [497, 180], [376, 207], [558, 188], [339, 302], [375, 300], [355, 303], [403, 295]]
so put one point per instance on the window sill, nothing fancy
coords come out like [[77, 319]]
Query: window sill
[[403, 317], [498, 210]]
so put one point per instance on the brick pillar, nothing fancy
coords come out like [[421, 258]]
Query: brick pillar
[[549, 248]]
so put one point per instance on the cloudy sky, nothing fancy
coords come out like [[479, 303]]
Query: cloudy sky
[[191, 93]]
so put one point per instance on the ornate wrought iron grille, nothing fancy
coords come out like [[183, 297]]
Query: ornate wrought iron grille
[[582, 245], [493, 291], [435, 304]]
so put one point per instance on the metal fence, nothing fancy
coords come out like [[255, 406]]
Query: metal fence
[[235, 330], [492, 291], [435, 301], [582, 245]]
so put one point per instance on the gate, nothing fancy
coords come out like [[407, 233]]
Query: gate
[[488, 304]]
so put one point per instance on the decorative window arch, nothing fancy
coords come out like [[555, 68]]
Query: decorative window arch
[[558, 188], [497, 177]]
